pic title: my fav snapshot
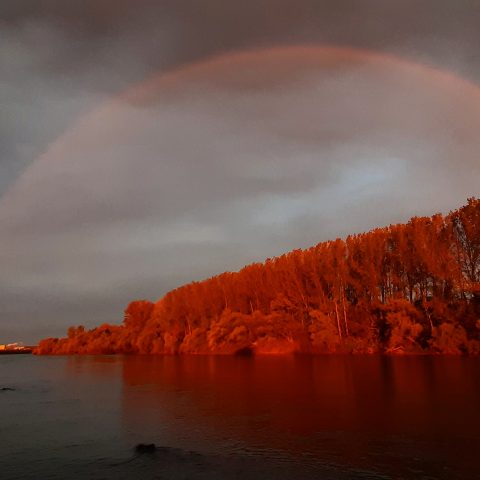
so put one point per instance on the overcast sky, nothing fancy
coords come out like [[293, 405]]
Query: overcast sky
[[216, 158]]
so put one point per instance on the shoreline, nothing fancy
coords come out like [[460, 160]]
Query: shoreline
[[263, 355], [26, 351]]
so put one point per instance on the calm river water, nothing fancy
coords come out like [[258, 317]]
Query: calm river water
[[329, 417]]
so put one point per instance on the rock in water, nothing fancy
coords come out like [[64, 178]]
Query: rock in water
[[142, 448]]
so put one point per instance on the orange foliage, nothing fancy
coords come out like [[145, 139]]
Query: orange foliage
[[401, 289]]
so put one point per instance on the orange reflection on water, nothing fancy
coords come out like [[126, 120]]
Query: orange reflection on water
[[395, 413]]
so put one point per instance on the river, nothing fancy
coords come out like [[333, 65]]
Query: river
[[299, 417]]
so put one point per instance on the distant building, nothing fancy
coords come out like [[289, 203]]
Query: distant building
[[17, 347], [12, 346]]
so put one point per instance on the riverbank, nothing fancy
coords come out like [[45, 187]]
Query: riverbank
[[18, 351]]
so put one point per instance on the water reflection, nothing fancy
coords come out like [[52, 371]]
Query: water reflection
[[409, 414], [275, 417]]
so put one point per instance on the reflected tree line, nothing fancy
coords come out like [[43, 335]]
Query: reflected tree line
[[407, 288]]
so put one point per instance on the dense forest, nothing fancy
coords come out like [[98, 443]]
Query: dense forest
[[410, 288]]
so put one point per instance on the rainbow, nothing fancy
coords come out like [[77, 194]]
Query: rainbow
[[287, 58]]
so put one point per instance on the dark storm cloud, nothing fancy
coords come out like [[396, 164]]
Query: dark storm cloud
[[61, 59]]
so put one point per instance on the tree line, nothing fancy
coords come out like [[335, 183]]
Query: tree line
[[406, 288]]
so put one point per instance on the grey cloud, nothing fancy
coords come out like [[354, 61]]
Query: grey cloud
[[215, 177], [219, 172]]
